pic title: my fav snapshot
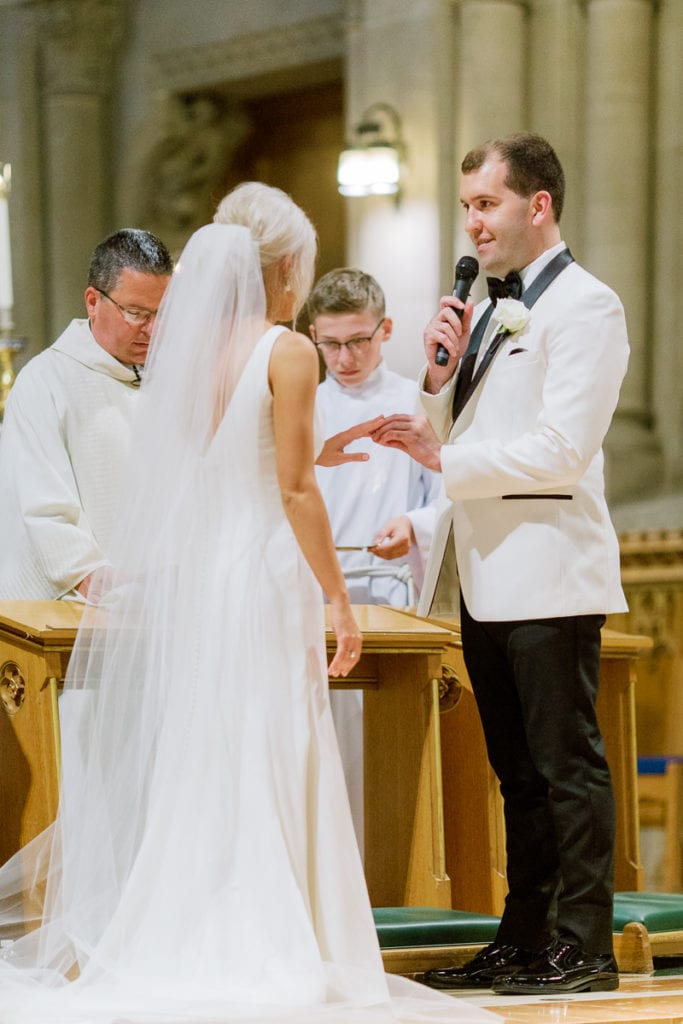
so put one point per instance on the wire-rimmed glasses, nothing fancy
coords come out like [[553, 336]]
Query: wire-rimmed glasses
[[134, 317], [356, 346]]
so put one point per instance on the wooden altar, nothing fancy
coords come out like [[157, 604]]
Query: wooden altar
[[433, 817], [399, 670]]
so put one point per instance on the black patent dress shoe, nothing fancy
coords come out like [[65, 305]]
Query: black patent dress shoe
[[490, 963], [562, 967]]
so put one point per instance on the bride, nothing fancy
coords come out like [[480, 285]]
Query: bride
[[203, 866]]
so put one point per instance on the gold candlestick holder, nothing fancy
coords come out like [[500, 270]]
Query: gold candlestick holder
[[9, 347]]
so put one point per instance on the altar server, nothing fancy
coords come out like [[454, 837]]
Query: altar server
[[383, 505]]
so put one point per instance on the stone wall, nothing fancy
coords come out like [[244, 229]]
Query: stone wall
[[125, 111]]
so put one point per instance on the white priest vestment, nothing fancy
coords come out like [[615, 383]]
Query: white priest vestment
[[64, 443]]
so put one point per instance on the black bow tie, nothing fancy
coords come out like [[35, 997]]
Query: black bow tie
[[510, 288]]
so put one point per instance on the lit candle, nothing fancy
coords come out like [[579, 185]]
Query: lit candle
[[6, 293]]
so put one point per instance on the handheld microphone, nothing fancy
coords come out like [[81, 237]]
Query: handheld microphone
[[466, 270]]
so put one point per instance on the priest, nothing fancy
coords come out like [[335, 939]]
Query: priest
[[67, 427]]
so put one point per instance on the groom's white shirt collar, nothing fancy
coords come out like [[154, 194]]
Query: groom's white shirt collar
[[533, 269]]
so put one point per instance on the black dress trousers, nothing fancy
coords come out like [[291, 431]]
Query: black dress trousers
[[535, 683]]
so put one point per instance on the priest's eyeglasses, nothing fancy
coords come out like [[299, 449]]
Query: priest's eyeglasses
[[134, 317], [356, 346]]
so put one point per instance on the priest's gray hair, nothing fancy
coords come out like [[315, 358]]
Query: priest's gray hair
[[127, 249], [280, 229]]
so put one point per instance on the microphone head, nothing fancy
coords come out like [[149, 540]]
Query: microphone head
[[466, 269]]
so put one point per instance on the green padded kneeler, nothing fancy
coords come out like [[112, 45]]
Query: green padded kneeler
[[646, 924], [652, 924], [399, 927], [658, 911], [432, 926]]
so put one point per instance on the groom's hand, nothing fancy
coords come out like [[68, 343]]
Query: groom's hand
[[413, 435]]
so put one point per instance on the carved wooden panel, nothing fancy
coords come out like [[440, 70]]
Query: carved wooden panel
[[652, 575]]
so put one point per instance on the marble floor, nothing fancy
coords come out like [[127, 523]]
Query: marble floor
[[658, 1000]]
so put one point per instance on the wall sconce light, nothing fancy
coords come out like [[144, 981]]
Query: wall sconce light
[[371, 164]]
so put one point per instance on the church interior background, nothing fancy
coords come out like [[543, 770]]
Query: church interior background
[[145, 112]]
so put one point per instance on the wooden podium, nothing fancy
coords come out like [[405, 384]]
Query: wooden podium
[[400, 672]]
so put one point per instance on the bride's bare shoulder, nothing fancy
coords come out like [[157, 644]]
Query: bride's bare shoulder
[[293, 349]]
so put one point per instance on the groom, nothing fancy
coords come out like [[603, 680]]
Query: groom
[[516, 424]]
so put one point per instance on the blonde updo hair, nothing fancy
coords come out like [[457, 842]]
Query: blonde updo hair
[[281, 229]]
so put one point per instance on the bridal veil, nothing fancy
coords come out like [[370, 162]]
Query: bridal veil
[[202, 866]]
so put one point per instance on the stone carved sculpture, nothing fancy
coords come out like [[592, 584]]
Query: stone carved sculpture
[[185, 165]]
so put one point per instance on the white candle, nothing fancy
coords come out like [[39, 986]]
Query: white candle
[[6, 293]]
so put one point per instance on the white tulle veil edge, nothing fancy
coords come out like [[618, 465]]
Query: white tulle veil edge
[[144, 646], [67, 879]]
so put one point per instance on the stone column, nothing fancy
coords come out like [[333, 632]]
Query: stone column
[[491, 82], [402, 54], [666, 300], [78, 43], [617, 231], [20, 145], [556, 96]]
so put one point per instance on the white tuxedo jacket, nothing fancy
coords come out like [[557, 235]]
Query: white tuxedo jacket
[[523, 466]]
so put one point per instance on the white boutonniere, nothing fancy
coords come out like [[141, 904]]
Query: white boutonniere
[[511, 315]]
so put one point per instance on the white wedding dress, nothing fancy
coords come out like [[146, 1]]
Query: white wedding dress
[[203, 866]]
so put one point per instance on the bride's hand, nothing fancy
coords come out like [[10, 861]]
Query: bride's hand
[[349, 638], [333, 453]]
